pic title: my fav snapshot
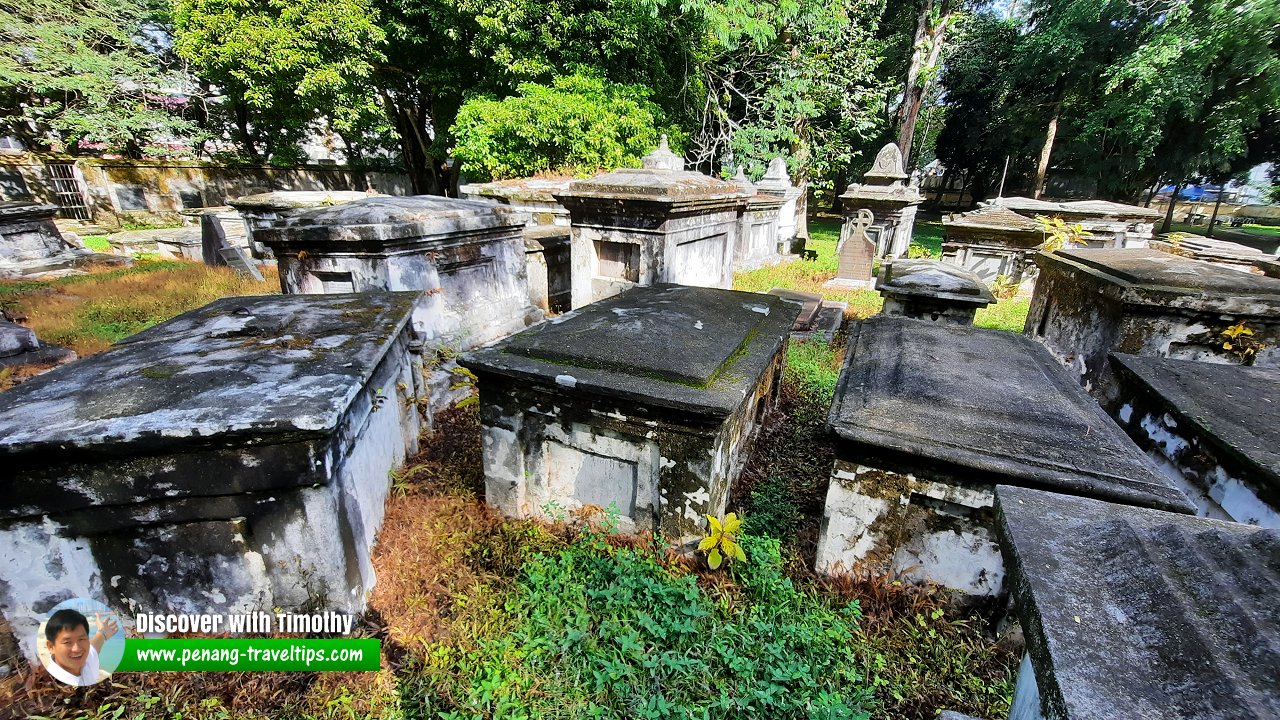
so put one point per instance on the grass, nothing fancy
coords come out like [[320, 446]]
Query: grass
[[96, 243], [89, 312], [1264, 230], [809, 276]]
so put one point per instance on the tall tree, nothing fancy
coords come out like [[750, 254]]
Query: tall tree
[[932, 23], [73, 72]]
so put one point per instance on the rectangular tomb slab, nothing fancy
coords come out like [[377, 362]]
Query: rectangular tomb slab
[[1141, 614], [1089, 303], [232, 459], [646, 401], [1214, 428], [928, 418]]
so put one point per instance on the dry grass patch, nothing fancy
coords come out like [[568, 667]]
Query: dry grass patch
[[88, 313]]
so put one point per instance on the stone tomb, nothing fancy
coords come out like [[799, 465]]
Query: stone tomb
[[263, 210], [1112, 224], [232, 459], [758, 234], [1088, 303], [777, 182], [546, 236], [32, 246], [1140, 614], [931, 290], [992, 242], [1214, 428], [468, 256], [929, 418], [884, 191], [1220, 252], [646, 401], [656, 224]]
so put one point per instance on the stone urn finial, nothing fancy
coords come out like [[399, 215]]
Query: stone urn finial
[[662, 158], [741, 181]]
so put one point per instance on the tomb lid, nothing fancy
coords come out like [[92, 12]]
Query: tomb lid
[[1234, 408], [534, 189], [545, 237], [1152, 269], [701, 350], [994, 217], [1209, 249], [1106, 208], [386, 218], [934, 279], [810, 305], [14, 210], [1141, 614], [669, 186], [1098, 209], [241, 369], [295, 199], [953, 401]]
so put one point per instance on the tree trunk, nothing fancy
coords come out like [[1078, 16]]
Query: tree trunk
[[1214, 218], [1150, 195], [1168, 214], [411, 131], [242, 129], [1042, 168], [922, 58]]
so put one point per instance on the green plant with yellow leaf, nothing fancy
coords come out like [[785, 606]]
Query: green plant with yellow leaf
[[722, 543], [1239, 341], [1061, 235]]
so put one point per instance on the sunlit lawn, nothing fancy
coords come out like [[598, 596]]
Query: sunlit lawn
[[809, 276]]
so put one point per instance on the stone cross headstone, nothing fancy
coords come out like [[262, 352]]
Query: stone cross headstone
[[855, 254], [240, 262]]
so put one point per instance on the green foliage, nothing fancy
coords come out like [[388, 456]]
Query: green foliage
[[283, 64], [722, 541], [814, 364], [600, 631], [919, 661], [577, 125], [73, 72]]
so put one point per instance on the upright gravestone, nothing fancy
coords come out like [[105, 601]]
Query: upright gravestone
[[885, 192], [656, 224], [855, 255]]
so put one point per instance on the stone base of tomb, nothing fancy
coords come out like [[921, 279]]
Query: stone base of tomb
[[848, 284], [919, 530]]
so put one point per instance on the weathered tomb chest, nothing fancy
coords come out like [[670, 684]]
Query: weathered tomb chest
[[1213, 427], [232, 459], [646, 401], [655, 224], [1089, 303], [1140, 614], [932, 290], [928, 418]]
